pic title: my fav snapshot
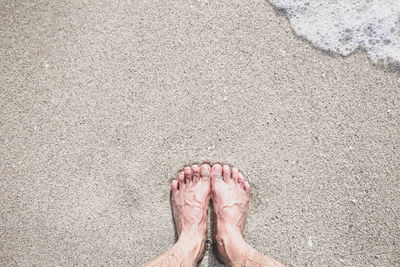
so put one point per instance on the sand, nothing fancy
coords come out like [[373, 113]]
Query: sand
[[102, 102]]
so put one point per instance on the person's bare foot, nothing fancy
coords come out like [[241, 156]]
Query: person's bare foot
[[190, 199], [230, 194]]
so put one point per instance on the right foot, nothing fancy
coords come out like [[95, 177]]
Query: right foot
[[230, 194]]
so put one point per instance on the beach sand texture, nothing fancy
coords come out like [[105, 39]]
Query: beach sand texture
[[102, 102]]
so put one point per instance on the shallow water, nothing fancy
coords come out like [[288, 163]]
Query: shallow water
[[342, 26]]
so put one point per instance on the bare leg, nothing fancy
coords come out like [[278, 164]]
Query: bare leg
[[230, 194], [190, 199]]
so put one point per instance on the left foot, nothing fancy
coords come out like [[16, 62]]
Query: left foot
[[190, 199]]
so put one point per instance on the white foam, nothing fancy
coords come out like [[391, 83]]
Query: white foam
[[342, 26]]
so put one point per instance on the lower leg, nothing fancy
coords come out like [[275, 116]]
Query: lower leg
[[185, 252], [235, 252]]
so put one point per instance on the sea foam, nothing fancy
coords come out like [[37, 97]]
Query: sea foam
[[342, 26]]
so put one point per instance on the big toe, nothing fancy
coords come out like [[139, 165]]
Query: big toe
[[216, 172]]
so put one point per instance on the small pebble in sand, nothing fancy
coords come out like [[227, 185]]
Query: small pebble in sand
[[309, 242]]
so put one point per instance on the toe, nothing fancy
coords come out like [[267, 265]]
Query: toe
[[226, 173], [216, 172], [247, 187], [241, 179], [188, 175], [235, 174], [181, 180], [174, 185], [205, 171], [196, 173]]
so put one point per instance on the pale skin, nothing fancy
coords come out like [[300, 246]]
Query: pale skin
[[230, 194]]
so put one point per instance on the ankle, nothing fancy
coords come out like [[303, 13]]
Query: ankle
[[189, 249], [233, 249]]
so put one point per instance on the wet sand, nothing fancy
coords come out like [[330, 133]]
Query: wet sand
[[102, 103]]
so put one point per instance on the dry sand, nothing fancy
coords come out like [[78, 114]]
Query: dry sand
[[102, 102]]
